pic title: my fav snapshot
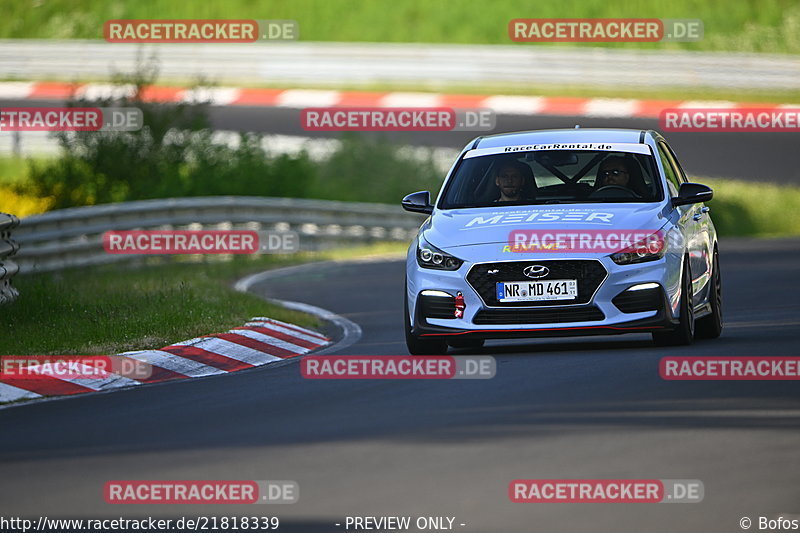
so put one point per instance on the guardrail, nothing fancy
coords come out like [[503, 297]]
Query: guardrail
[[8, 268], [74, 237], [417, 65]]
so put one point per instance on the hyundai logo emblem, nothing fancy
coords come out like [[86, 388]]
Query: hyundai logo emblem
[[536, 271]]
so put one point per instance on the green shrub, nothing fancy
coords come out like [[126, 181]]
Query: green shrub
[[367, 170], [174, 155]]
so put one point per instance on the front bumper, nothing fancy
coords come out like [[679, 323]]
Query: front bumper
[[597, 315]]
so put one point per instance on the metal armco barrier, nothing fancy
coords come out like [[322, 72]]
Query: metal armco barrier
[[8, 268], [74, 237], [364, 64]]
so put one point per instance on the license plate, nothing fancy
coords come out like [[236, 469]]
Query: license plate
[[533, 291]]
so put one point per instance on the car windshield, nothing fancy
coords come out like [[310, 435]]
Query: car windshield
[[552, 177]]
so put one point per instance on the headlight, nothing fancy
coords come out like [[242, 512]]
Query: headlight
[[429, 256], [651, 248]]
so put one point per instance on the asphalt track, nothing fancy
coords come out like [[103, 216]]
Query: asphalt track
[[557, 408], [760, 156]]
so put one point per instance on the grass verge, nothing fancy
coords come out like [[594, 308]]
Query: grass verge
[[110, 309], [743, 208], [750, 26]]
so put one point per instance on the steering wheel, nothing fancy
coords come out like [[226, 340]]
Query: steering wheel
[[615, 188]]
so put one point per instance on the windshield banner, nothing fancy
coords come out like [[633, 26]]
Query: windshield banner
[[607, 147]]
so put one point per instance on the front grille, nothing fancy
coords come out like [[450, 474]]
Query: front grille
[[638, 301], [589, 273], [437, 306], [537, 316]]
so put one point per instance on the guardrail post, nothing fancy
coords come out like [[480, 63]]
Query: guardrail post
[[16, 147]]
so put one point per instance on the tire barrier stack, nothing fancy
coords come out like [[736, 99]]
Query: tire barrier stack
[[8, 247]]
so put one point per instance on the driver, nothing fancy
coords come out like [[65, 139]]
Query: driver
[[614, 171], [511, 178]]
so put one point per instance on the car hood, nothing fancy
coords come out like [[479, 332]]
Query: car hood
[[454, 228]]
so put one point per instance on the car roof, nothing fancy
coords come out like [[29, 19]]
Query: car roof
[[582, 135]]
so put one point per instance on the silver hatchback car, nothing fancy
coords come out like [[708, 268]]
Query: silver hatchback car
[[561, 233]]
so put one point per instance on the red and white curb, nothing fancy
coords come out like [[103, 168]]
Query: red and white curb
[[301, 98], [261, 341]]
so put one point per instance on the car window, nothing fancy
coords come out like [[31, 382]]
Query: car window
[[673, 182], [675, 163], [551, 177]]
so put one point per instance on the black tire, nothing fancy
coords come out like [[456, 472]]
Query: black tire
[[469, 344], [416, 345], [682, 335], [710, 327]]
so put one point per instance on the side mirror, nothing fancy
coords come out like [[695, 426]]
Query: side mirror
[[418, 202], [692, 193]]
